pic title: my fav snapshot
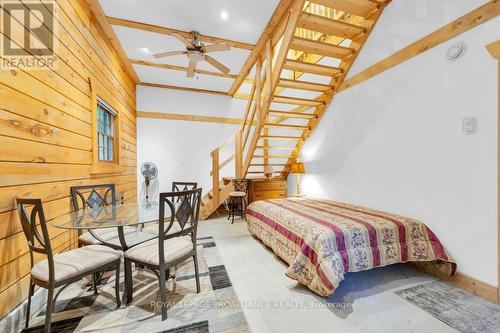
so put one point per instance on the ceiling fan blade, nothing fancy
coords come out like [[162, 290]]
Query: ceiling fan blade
[[168, 54], [217, 64], [191, 68], [217, 48], [182, 39]]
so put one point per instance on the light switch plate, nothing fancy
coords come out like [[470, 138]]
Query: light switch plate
[[469, 125]]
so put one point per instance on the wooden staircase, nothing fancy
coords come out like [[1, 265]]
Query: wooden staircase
[[297, 74]]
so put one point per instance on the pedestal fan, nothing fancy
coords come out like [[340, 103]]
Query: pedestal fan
[[150, 186]]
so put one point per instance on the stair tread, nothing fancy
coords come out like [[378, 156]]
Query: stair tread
[[303, 85], [276, 147], [356, 7], [280, 137], [329, 26], [292, 114], [306, 67], [297, 101], [272, 156], [320, 48], [294, 127]]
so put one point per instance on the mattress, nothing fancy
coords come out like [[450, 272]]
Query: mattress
[[321, 240]]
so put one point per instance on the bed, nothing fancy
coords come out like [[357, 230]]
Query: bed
[[321, 240]]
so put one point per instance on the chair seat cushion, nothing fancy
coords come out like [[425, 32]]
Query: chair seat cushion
[[110, 235], [153, 228], [148, 252], [237, 194], [76, 262]]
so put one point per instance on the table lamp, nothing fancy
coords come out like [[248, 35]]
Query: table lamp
[[297, 169], [268, 172]]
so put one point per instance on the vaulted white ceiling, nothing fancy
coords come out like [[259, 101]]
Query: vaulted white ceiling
[[245, 22]]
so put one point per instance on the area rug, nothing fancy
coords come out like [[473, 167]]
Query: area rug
[[457, 308], [214, 309]]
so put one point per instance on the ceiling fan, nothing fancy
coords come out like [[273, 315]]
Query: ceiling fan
[[196, 51]]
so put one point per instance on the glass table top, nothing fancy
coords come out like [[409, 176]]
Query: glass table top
[[120, 215]]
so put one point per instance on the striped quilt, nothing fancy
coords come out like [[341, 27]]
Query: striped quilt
[[321, 240]]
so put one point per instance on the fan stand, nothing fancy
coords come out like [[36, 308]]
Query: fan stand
[[146, 180]]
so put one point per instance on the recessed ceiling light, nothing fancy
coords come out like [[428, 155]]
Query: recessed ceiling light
[[224, 15], [145, 50]]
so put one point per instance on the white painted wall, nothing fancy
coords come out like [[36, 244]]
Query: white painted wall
[[181, 149], [395, 142]]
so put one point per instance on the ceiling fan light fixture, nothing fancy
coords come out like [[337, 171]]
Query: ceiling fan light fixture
[[195, 56]]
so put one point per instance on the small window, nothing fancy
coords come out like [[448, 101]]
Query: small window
[[106, 117]]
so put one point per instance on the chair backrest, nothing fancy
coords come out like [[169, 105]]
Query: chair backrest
[[183, 186], [241, 185], [185, 214], [100, 195], [35, 229]]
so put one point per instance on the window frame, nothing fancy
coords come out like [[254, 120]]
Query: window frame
[[104, 166], [108, 110]]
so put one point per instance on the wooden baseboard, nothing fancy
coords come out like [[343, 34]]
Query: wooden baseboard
[[463, 281]]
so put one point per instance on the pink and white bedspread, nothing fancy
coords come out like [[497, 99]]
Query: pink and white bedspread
[[321, 240]]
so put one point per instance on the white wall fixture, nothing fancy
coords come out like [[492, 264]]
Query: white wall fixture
[[469, 125], [456, 51]]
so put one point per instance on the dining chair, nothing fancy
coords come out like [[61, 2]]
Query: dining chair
[[183, 186], [176, 187], [98, 195], [170, 248], [61, 269], [237, 199]]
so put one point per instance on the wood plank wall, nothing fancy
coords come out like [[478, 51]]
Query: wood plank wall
[[45, 137]]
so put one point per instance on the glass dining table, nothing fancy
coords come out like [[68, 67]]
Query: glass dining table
[[118, 216]]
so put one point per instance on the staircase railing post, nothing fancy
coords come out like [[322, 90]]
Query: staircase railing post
[[215, 178], [238, 155]]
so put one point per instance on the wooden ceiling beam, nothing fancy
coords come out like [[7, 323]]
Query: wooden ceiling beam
[[169, 31], [362, 8], [99, 15], [180, 68], [273, 25], [187, 117], [470, 20], [494, 49], [168, 86], [329, 27]]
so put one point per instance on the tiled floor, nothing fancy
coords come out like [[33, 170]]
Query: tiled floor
[[79, 310], [238, 270], [364, 302]]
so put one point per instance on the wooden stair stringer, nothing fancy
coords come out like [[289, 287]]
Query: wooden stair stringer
[[209, 206]]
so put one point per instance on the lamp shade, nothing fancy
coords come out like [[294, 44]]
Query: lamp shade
[[297, 168], [268, 171]]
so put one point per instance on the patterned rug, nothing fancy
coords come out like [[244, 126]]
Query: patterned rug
[[457, 308], [214, 309]]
